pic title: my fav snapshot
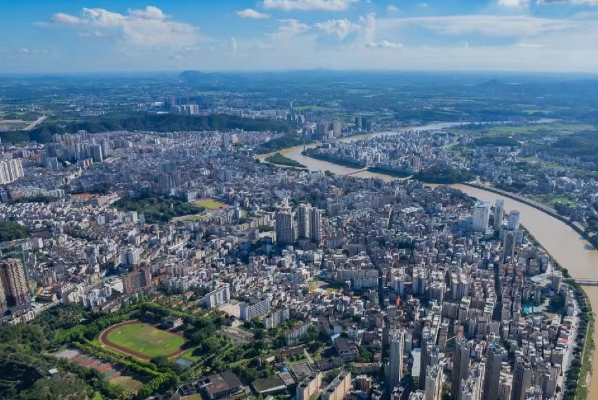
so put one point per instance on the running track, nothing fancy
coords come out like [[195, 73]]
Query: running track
[[104, 341]]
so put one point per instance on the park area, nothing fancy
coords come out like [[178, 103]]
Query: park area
[[142, 340], [210, 204], [111, 372]]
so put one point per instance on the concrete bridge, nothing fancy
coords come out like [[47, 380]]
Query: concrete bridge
[[587, 282]]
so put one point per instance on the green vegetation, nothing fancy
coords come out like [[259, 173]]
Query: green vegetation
[[209, 204], [443, 175], [37, 199], [157, 209], [283, 142], [525, 132], [146, 122], [582, 144], [496, 141], [12, 231], [145, 339], [282, 160]]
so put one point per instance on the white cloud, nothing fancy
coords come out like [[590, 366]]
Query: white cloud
[[65, 19], [24, 50], [571, 2], [250, 13], [385, 44], [529, 45], [369, 28], [487, 25], [391, 8], [423, 5], [148, 27], [514, 3], [233, 45], [339, 27], [308, 5], [292, 25]]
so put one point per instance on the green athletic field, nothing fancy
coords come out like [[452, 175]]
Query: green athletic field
[[146, 340]]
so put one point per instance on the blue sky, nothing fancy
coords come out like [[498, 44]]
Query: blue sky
[[40, 36]]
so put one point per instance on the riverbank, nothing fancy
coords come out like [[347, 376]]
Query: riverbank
[[539, 207]]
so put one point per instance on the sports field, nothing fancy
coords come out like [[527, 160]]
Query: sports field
[[142, 340], [210, 204]]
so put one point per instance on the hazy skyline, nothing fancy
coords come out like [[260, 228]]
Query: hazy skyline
[[103, 36]]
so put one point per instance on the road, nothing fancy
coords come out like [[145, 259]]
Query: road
[[34, 124]]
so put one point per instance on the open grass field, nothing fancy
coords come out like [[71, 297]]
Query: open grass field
[[532, 131], [192, 397], [142, 340], [127, 383], [210, 204]]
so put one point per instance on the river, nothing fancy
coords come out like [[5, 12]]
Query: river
[[562, 242]]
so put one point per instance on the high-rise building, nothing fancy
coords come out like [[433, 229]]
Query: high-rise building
[[513, 220], [471, 388], [433, 390], [336, 128], [429, 356], [96, 153], [460, 366], [3, 301], [303, 221], [358, 123], [276, 318], [218, 297], [481, 216], [309, 386], [499, 213], [522, 378], [10, 171], [285, 226], [254, 308], [510, 240], [397, 346], [338, 388], [14, 283], [315, 225], [505, 386], [494, 358], [137, 280]]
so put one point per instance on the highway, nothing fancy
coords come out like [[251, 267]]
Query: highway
[[35, 123]]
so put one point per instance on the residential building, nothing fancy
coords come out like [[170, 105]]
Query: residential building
[[397, 345], [254, 308], [338, 388], [481, 216], [315, 225], [309, 386], [14, 283], [137, 280], [460, 367], [276, 318], [303, 221], [292, 336], [495, 355], [218, 297]]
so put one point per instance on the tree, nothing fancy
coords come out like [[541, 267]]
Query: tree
[[63, 386]]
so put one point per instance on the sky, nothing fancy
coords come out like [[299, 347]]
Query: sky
[[79, 36]]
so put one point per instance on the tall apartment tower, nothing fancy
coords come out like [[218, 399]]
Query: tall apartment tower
[[494, 358], [460, 366], [14, 283], [481, 216], [303, 221], [471, 388], [514, 220], [429, 356], [315, 225], [499, 213], [522, 379], [510, 240], [397, 346], [433, 390], [285, 228]]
